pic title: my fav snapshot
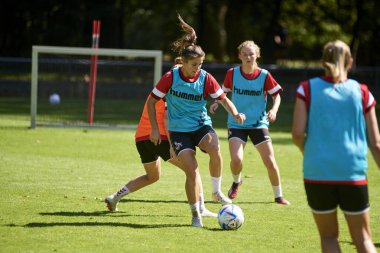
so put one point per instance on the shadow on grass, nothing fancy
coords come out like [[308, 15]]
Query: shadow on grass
[[108, 224], [377, 244], [99, 213], [185, 202], [153, 201], [14, 127], [95, 224], [104, 213]]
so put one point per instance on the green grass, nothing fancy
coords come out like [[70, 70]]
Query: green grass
[[53, 182]]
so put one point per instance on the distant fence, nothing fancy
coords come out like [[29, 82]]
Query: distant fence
[[15, 77]]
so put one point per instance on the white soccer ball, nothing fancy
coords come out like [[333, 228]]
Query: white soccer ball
[[230, 217], [54, 99]]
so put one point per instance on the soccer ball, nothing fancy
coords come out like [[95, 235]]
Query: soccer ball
[[54, 99], [230, 217]]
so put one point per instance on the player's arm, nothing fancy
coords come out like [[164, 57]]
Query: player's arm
[[166, 123], [158, 93], [373, 135], [226, 87], [273, 88], [155, 133], [231, 109], [299, 123], [272, 113]]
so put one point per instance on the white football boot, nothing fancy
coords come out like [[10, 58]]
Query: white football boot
[[111, 203], [219, 197]]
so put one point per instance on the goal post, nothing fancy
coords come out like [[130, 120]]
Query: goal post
[[123, 56]]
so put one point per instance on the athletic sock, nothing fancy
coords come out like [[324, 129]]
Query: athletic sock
[[195, 209], [216, 184], [201, 201], [121, 193], [237, 178], [277, 191]]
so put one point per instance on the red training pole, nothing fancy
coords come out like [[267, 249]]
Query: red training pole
[[93, 72]]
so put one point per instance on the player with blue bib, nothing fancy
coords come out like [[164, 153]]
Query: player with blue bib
[[186, 90], [334, 123]]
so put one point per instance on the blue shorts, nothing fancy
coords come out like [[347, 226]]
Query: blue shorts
[[189, 140], [150, 153], [257, 135], [325, 198]]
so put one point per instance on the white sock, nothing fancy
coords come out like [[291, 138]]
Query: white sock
[[195, 209], [277, 191], [121, 193], [237, 178], [216, 184], [201, 201]]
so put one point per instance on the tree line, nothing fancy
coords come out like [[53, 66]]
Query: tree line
[[288, 31]]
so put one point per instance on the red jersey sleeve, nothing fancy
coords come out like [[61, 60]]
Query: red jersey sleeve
[[271, 85], [303, 92], [212, 88], [227, 84], [163, 86], [367, 98]]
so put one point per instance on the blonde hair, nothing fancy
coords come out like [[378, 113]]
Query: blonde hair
[[186, 46], [250, 43], [336, 59]]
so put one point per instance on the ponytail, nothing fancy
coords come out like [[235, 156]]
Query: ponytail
[[186, 46], [336, 59]]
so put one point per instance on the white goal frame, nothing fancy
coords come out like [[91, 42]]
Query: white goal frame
[[36, 50]]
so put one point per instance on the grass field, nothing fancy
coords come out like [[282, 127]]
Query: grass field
[[53, 182]]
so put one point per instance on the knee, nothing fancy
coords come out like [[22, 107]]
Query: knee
[[152, 178], [213, 148], [191, 175], [236, 161], [271, 165], [329, 236]]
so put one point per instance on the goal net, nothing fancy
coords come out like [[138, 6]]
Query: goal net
[[61, 80]]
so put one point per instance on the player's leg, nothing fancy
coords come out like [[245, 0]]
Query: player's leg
[[354, 202], [360, 231], [150, 159], [236, 146], [190, 166], [153, 172], [184, 147], [204, 211], [267, 155], [323, 200], [209, 143], [328, 228]]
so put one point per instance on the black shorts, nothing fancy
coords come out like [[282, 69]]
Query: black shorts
[[257, 136], [189, 140], [325, 198], [150, 153]]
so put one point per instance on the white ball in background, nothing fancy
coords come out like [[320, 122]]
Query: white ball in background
[[54, 99]]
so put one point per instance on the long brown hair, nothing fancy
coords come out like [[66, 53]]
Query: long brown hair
[[186, 46]]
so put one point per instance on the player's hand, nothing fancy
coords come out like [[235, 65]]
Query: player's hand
[[239, 118], [173, 155], [155, 137], [213, 107], [271, 115]]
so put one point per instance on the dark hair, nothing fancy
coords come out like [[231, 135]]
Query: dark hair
[[186, 46]]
